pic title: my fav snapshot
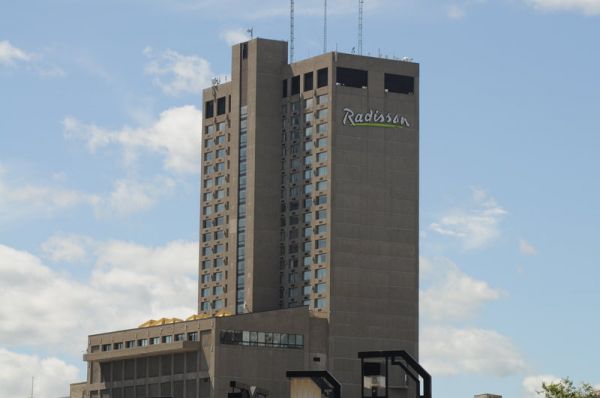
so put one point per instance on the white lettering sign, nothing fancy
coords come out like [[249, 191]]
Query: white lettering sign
[[374, 119]]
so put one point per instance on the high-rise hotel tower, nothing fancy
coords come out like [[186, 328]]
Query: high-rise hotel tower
[[308, 232]]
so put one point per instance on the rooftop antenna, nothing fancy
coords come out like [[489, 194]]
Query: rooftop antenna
[[291, 31], [250, 32], [324, 26], [32, 379], [360, 26]]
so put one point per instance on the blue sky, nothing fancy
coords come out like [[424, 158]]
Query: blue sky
[[99, 140]]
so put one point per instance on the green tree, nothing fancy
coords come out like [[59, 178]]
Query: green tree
[[566, 389]]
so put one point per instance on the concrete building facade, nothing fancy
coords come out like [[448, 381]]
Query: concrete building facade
[[309, 227]]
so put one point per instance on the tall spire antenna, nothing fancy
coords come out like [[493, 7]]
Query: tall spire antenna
[[291, 31], [360, 26], [324, 26]]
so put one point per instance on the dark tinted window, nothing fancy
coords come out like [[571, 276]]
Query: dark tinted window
[[221, 106], [295, 85], [209, 109], [229, 103], [322, 77], [352, 77], [399, 84], [244, 50], [284, 88], [308, 81]]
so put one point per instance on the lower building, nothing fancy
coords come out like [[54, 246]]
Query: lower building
[[200, 358]]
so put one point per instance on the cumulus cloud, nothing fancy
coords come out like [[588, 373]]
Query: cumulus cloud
[[176, 135], [586, 7], [127, 196], [451, 351], [10, 55], [474, 227], [176, 73], [235, 36], [52, 375], [527, 248], [18, 200], [533, 384], [70, 248], [451, 294], [127, 284]]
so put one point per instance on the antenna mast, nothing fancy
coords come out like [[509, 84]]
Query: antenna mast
[[291, 31], [32, 379], [360, 26], [325, 26]]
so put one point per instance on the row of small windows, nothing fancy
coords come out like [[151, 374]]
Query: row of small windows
[[214, 222], [293, 84], [306, 217], [218, 180], [192, 336], [307, 203], [216, 291], [319, 259], [214, 305], [219, 153], [262, 339], [207, 278], [209, 107]]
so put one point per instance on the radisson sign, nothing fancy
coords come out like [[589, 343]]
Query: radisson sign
[[374, 118]]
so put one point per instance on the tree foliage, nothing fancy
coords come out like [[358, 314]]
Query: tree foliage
[[566, 389]]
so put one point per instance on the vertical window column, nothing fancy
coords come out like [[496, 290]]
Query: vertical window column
[[241, 216]]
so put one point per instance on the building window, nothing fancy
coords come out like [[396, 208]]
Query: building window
[[321, 156], [321, 214], [320, 243], [320, 303], [308, 118], [193, 336], [321, 185], [220, 194], [207, 210], [322, 128], [295, 85], [142, 343], [208, 156], [307, 290], [219, 262], [218, 290], [321, 171], [308, 81], [154, 340], [106, 347], [218, 276], [307, 203], [322, 99], [308, 146], [322, 114], [306, 275], [221, 106], [206, 251], [210, 129], [321, 288], [218, 304], [205, 306], [221, 207], [179, 337], [322, 142], [220, 166], [206, 237], [321, 273], [205, 292], [261, 339], [205, 278], [307, 232], [284, 88], [321, 200], [321, 229], [308, 132], [220, 153], [207, 196], [307, 261], [209, 109], [307, 246], [321, 258], [322, 77], [167, 339], [352, 77], [307, 218], [292, 277], [308, 160], [308, 103], [308, 189], [399, 83]]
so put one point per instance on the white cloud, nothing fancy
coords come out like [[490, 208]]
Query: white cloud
[[71, 248], [128, 196], [25, 200], [10, 54], [527, 248], [52, 375], [451, 294], [175, 73], [533, 384], [176, 135], [475, 227], [128, 284], [235, 36], [587, 7], [451, 351]]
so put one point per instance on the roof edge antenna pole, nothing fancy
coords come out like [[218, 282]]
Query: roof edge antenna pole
[[325, 26], [291, 31], [360, 26]]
